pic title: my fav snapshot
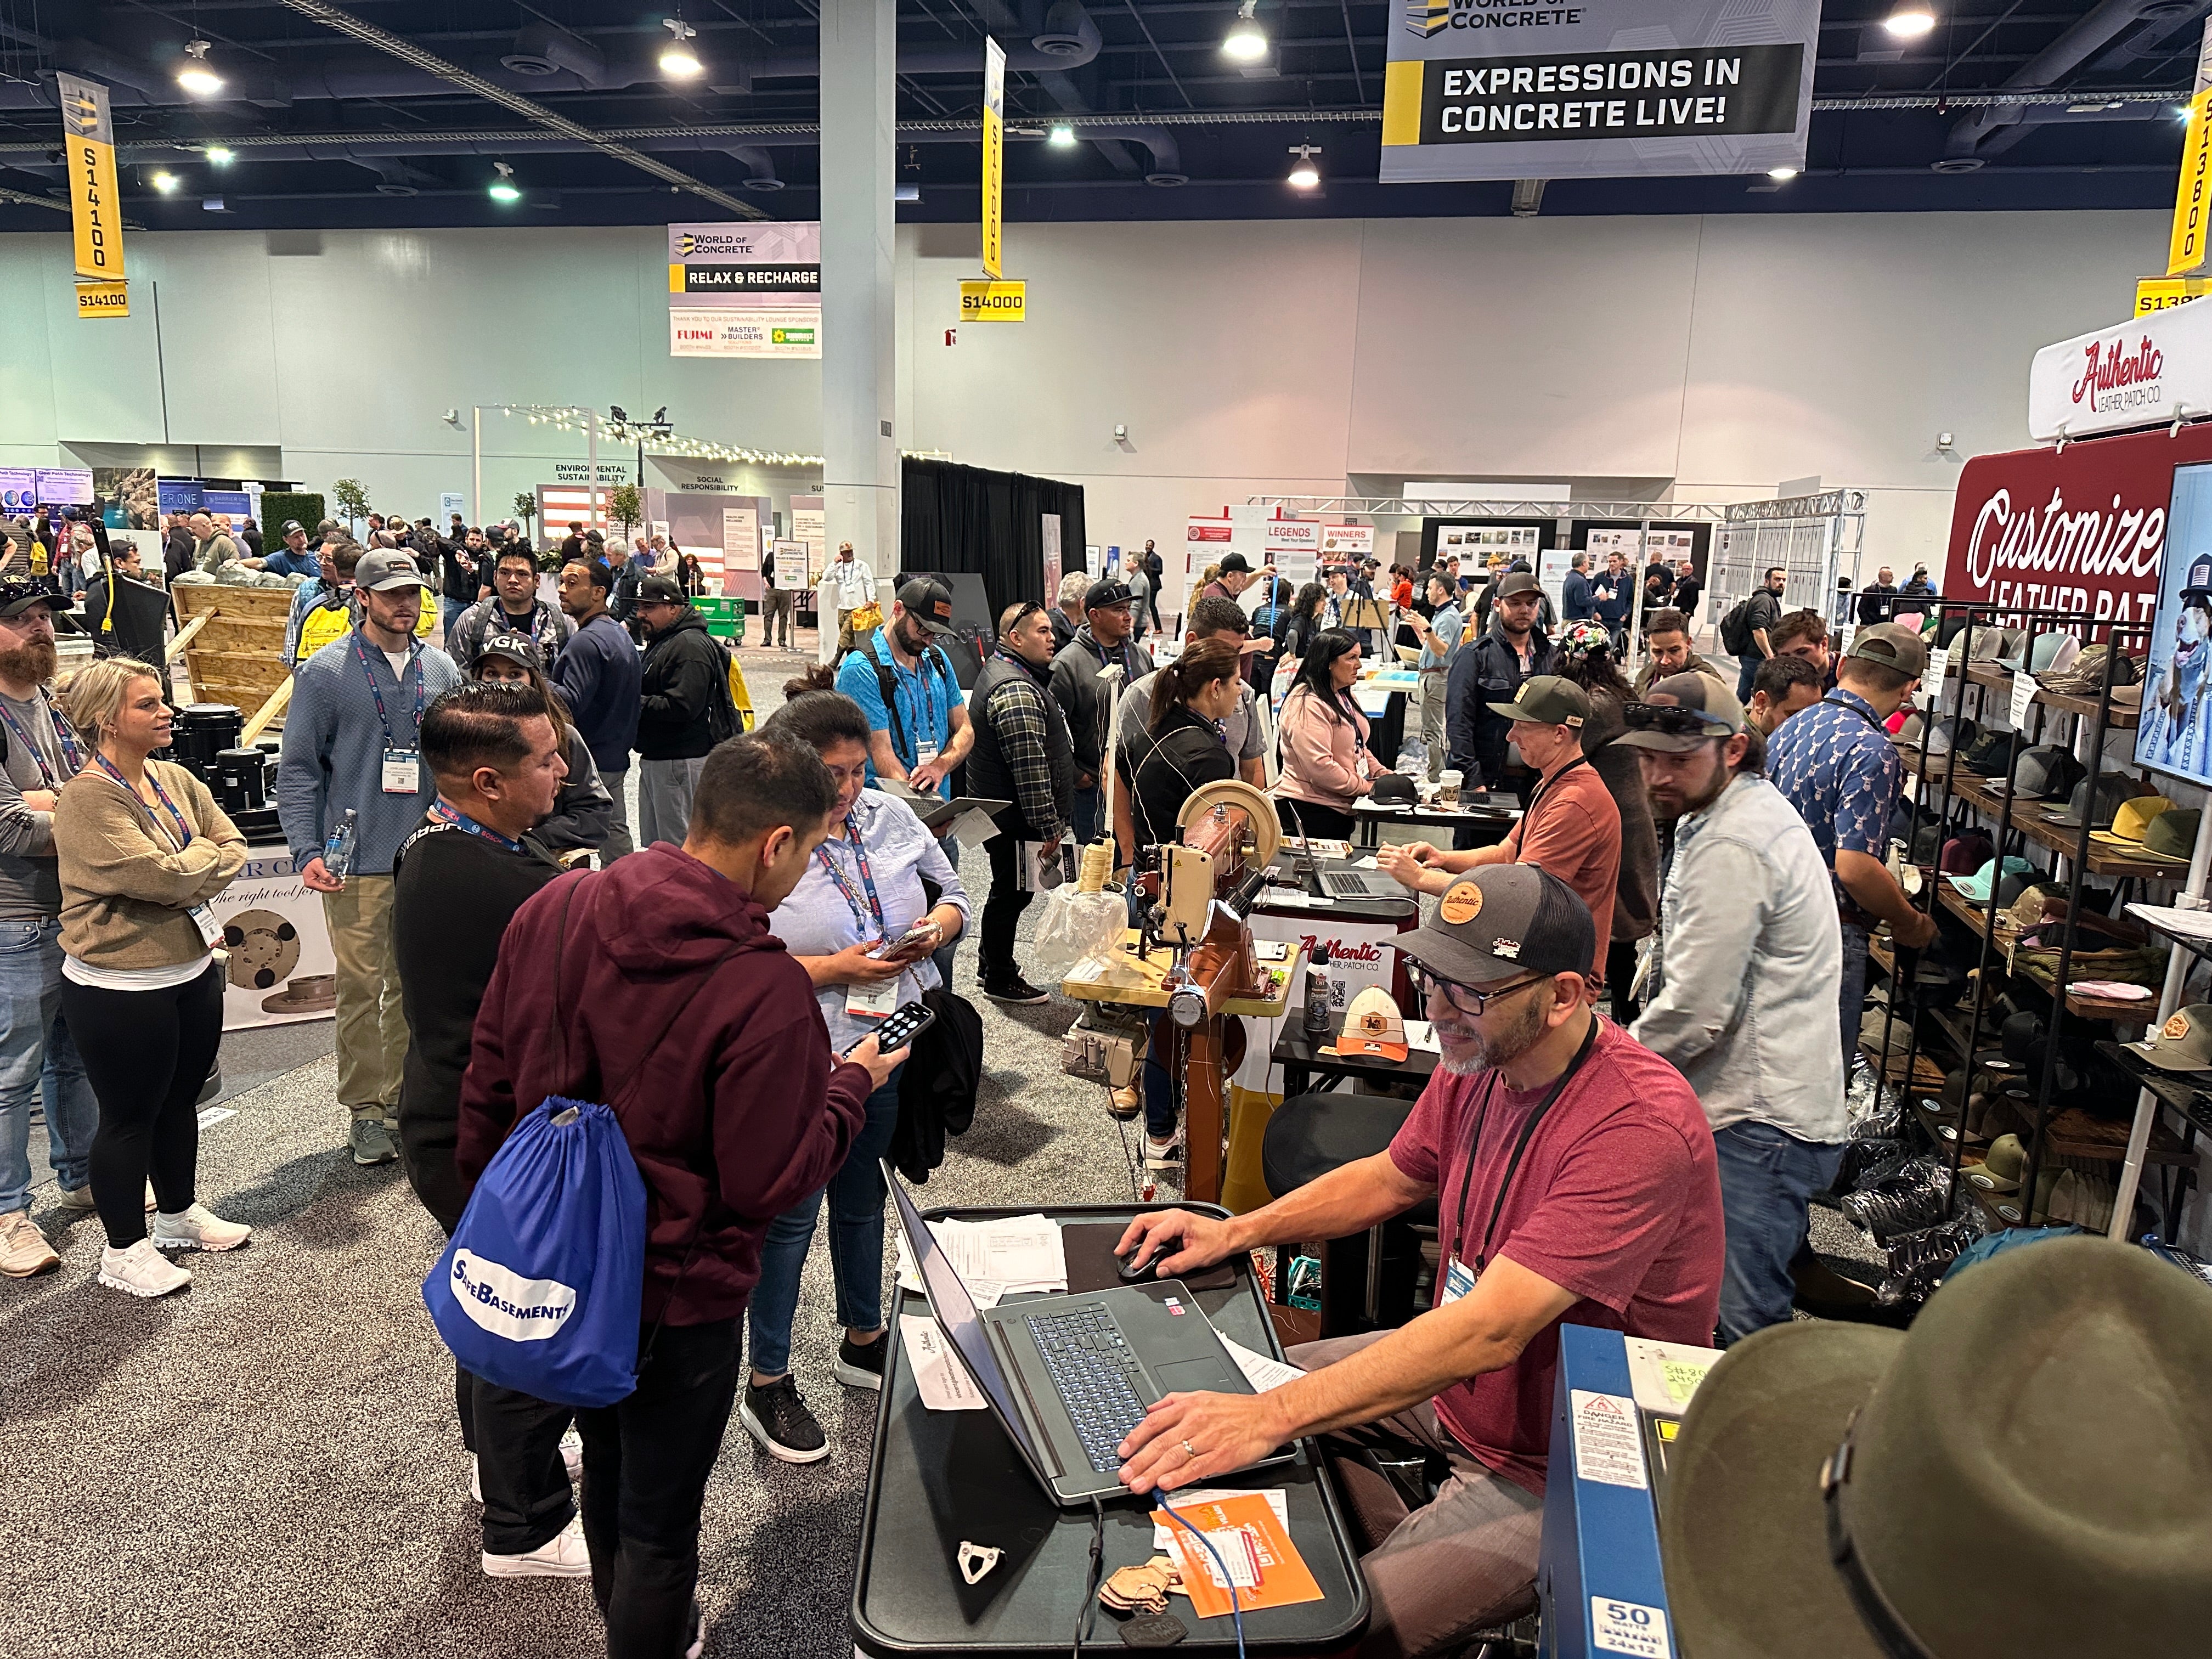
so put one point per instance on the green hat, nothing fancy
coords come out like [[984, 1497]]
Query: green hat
[[1892, 645], [2004, 1480], [1546, 700]]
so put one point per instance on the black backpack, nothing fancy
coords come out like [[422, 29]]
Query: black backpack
[[1735, 629], [887, 683], [723, 721]]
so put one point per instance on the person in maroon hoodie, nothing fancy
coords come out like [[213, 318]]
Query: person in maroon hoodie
[[738, 1114]]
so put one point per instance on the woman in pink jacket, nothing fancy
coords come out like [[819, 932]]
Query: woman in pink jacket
[[1326, 764]]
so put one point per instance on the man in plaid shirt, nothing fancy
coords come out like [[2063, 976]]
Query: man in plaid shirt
[[1024, 755]]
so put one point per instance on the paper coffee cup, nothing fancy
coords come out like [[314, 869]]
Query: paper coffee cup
[[1447, 782]]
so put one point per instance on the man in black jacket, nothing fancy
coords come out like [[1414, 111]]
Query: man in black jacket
[[1022, 756], [1490, 669], [458, 880], [1101, 642], [597, 676], [684, 687]]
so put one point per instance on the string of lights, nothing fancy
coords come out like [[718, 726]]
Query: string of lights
[[658, 438]]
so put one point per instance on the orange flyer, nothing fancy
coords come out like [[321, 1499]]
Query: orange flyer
[[1261, 1561]]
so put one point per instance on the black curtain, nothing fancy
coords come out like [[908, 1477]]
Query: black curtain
[[989, 524]]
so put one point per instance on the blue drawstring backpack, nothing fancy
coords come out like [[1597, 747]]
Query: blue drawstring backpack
[[541, 1287]]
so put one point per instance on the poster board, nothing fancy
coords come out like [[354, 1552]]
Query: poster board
[[281, 969], [2174, 734], [745, 289], [811, 524]]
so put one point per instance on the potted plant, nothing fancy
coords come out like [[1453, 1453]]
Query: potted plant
[[352, 500], [625, 506], [525, 507]]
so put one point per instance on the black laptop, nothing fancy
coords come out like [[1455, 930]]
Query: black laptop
[[1069, 1376]]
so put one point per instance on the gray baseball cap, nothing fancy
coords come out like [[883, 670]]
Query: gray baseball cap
[[1652, 724], [1499, 922], [383, 571], [1892, 645]]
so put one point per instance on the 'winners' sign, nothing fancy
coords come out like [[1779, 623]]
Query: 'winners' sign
[[1596, 88]]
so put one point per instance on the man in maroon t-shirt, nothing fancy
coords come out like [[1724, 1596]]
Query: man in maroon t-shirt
[[1575, 1180]]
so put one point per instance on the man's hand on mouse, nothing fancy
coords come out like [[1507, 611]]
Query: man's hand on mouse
[[1175, 1242]]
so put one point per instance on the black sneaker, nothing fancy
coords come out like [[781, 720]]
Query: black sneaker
[[1016, 989], [777, 1418], [861, 1364]]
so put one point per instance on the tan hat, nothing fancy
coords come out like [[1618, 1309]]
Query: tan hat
[[2184, 1043], [1373, 1027]]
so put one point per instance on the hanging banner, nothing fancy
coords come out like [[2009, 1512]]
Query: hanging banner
[[2189, 242], [1596, 88], [2162, 293], [994, 158], [95, 204], [2142, 372], [746, 290], [994, 303]]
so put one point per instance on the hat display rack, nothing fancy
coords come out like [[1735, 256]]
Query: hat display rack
[[1951, 796]]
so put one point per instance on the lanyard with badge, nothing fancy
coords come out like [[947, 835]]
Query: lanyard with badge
[[1458, 1277], [72, 756], [925, 746], [879, 1000], [445, 814], [403, 767], [181, 837]]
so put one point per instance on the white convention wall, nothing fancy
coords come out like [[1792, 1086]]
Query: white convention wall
[[1710, 357]]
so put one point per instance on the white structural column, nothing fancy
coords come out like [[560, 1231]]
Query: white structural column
[[861, 473]]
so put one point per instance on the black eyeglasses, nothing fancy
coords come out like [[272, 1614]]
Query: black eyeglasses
[[1465, 998], [1674, 720]]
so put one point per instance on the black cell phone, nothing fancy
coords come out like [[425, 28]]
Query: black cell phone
[[911, 1020]]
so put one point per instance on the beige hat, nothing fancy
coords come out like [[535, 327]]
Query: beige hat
[[1373, 1027]]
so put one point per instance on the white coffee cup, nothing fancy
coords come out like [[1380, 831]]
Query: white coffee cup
[[1448, 783]]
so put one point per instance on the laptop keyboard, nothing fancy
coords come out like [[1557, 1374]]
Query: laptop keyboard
[[1343, 885], [1096, 1375]]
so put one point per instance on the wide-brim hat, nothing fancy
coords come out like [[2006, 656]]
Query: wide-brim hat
[[1951, 1480]]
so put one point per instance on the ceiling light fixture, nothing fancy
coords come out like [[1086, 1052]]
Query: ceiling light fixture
[[1246, 41], [503, 187], [196, 76], [1910, 22], [219, 156], [1782, 175], [1061, 137], [677, 58], [165, 182], [1304, 172]]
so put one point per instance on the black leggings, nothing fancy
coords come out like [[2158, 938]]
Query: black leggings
[[148, 1054]]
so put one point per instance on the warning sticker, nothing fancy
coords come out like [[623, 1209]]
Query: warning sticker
[[1628, 1626], [1608, 1447]]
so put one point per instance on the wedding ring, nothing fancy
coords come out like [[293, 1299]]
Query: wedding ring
[[1189, 1450]]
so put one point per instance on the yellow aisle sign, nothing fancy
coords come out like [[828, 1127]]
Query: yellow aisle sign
[[2159, 293], [2192, 198], [994, 152], [994, 303], [95, 204]]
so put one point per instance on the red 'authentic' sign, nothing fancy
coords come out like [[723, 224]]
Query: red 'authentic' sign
[[2080, 529]]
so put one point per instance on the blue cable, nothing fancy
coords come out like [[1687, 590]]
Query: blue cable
[[1235, 1608]]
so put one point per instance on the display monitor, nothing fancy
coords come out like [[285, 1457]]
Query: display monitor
[[2174, 735]]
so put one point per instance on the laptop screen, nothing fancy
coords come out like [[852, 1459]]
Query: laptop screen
[[956, 1312]]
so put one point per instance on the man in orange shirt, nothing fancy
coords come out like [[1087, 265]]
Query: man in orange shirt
[[1571, 828]]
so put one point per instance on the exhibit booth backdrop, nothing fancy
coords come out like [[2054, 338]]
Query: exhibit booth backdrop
[[1007, 527]]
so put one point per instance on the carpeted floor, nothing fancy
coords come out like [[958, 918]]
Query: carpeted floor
[[268, 1465]]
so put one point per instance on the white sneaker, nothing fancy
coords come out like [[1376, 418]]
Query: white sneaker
[[561, 1556], [1159, 1154], [23, 1248], [572, 1452], [78, 1199], [142, 1270], [198, 1229]]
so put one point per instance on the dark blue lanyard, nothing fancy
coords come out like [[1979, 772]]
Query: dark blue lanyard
[[415, 663], [1104, 661], [867, 878], [71, 755], [924, 703], [462, 821], [184, 829]]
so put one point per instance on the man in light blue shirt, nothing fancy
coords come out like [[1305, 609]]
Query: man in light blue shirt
[[1744, 970], [1440, 637]]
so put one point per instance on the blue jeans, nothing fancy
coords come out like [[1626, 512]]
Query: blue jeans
[[1090, 806], [944, 955], [1159, 1085], [856, 1244], [38, 1057], [1746, 671], [449, 613], [1767, 1176], [1851, 992]]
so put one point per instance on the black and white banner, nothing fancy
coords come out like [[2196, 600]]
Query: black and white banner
[[1596, 88]]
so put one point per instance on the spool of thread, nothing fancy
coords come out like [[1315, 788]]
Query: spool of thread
[[1097, 866]]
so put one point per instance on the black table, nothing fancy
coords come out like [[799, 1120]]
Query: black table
[[936, 1479], [1489, 827], [1300, 1057]]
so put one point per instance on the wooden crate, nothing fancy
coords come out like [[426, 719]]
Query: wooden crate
[[239, 657]]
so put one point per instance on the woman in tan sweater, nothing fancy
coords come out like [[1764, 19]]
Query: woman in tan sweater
[[142, 848], [1326, 764]]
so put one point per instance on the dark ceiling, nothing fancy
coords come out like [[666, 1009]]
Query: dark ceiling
[[371, 113]]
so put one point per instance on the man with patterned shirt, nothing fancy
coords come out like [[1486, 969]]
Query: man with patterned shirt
[[1839, 769], [1024, 755]]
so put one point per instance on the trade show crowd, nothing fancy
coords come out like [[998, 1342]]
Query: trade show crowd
[[1706, 860]]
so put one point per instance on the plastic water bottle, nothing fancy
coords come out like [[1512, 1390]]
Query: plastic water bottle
[[337, 851], [1316, 1013]]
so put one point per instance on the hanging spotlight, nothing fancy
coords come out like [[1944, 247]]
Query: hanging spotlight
[[1246, 41], [165, 182], [677, 58], [1909, 20], [1782, 175], [1062, 136], [196, 76], [503, 187], [219, 156], [1305, 173]]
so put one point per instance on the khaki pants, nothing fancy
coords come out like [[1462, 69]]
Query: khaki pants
[[372, 1037], [1433, 711], [776, 606]]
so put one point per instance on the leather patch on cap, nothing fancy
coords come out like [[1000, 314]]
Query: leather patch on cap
[[1462, 903], [2176, 1028]]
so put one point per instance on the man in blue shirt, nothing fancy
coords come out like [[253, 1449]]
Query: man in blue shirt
[[1576, 603], [293, 559], [1613, 591], [1837, 766], [1440, 637]]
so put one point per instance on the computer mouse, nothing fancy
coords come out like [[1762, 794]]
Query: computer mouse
[[1140, 1265]]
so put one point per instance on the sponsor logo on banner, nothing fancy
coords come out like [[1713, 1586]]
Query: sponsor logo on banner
[[1208, 530], [506, 1303], [2117, 377], [750, 290], [2135, 374]]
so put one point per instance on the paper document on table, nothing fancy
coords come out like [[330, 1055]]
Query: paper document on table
[[1013, 1253], [939, 1376], [974, 827], [1163, 1531], [1420, 1034], [1263, 1372], [2189, 924]]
